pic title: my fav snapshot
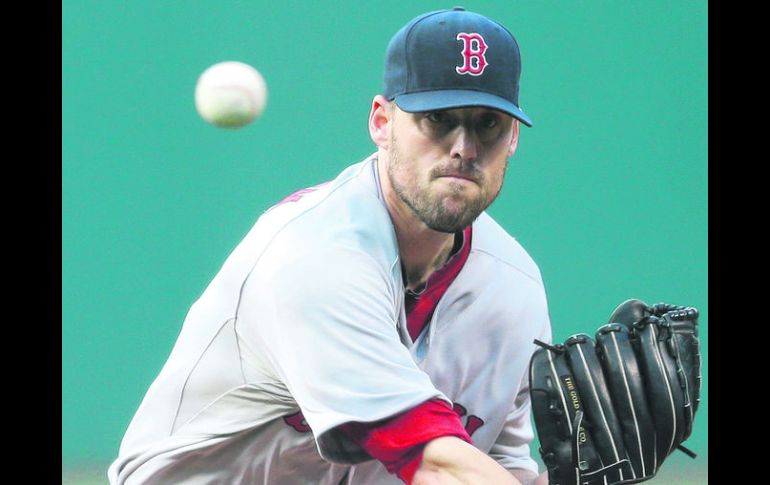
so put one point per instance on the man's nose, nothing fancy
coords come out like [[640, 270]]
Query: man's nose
[[465, 145]]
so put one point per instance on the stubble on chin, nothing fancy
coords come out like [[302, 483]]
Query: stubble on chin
[[443, 212]]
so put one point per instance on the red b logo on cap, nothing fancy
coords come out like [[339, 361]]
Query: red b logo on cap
[[474, 61]]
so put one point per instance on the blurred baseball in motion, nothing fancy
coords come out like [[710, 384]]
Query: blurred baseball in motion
[[230, 94]]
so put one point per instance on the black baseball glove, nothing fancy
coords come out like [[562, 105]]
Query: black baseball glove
[[610, 410]]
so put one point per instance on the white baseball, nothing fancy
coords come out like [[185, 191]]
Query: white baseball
[[230, 94]]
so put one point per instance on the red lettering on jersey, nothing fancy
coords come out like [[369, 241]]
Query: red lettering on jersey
[[472, 423], [299, 194], [474, 61], [459, 409], [297, 421]]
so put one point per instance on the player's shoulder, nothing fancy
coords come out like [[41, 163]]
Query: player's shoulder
[[352, 183], [491, 240], [345, 215]]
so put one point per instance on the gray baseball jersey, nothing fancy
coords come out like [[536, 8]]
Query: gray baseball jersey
[[304, 329]]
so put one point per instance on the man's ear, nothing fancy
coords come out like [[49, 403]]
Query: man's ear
[[515, 138], [379, 121]]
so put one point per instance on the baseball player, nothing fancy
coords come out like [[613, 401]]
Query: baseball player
[[375, 329]]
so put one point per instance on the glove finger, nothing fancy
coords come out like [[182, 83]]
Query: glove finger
[[666, 397], [590, 381], [629, 312], [564, 446], [628, 394], [683, 346]]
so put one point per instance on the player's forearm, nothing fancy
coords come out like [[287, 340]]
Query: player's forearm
[[527, 477], [450, 460]]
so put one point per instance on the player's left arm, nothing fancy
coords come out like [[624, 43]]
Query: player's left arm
[[513, 434], [512, 446]]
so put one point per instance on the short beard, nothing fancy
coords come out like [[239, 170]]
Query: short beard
[[433, 213]]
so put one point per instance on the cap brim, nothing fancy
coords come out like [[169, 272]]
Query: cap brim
[[458, 98]]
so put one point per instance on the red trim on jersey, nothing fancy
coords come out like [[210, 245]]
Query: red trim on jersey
[[398, 442], [420, 308]]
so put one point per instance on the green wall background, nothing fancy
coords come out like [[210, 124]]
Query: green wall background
[[608, 191]]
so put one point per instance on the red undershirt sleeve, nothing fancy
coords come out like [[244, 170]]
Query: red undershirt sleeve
[[398, 442]]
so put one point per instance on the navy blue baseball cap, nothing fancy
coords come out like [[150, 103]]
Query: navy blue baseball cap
[[454, 59]]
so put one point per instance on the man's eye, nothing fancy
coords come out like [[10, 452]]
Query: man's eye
[[437, 117], [489, 122]]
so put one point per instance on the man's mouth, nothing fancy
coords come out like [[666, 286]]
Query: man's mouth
[[460, 176]]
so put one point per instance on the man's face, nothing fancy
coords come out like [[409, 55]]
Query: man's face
[[448, 166]]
